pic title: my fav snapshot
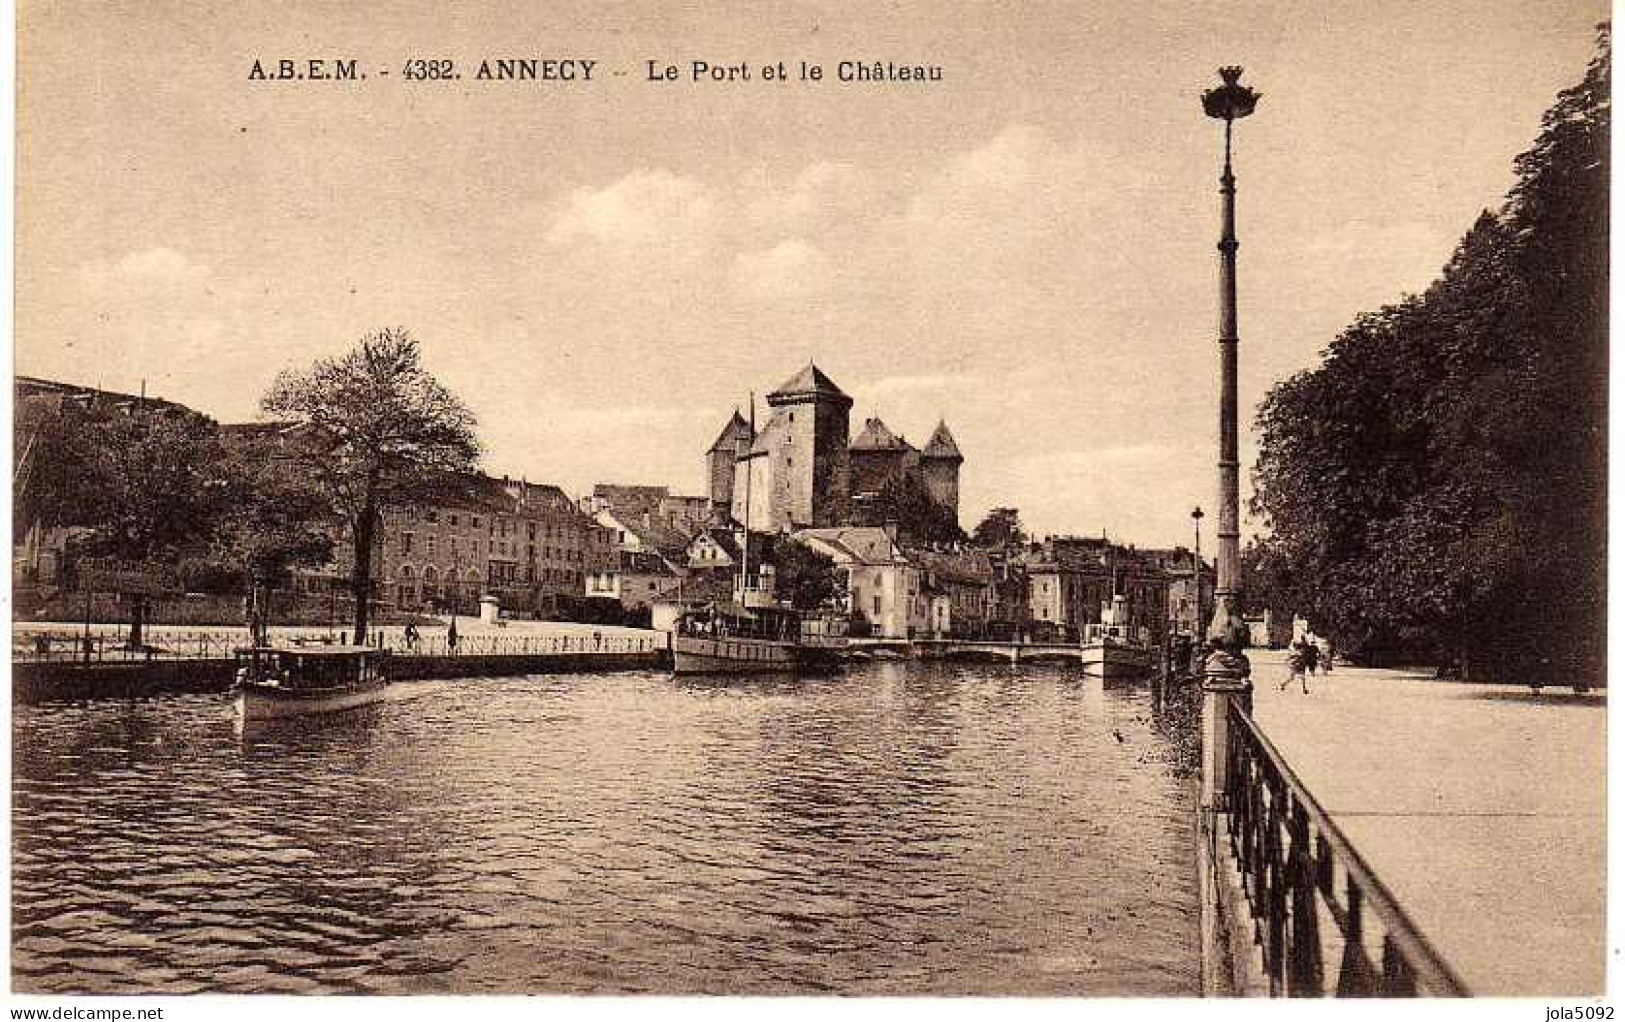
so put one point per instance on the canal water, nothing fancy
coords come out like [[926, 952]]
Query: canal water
[[900, 828]]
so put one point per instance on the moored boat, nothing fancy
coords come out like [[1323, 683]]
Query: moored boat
[[762, 640], [274, 682], [1110, 648]]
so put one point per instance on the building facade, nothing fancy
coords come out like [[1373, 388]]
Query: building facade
[[802, 470]]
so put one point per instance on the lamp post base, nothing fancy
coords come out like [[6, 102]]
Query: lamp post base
[[1226, 679]]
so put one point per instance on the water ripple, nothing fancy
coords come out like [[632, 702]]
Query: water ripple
[[900, 829]]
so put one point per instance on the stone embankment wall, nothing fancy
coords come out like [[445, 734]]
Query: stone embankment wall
[[1232, 957], [37, 682]]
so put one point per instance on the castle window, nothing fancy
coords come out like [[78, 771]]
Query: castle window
[[792, 416], [454, 521]]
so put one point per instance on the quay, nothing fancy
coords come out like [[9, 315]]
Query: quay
[[185, 661], [1475, 811]]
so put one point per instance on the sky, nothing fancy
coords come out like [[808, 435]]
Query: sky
[[604, 270]]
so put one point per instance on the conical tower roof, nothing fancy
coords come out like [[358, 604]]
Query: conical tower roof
[[942, 445], [728, 440], [876, 437], [809, 383]]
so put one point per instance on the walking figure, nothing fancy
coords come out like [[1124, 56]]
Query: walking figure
[[1325, 658], [412, 636], [1297, 660], [451, 636], [1311, 651]]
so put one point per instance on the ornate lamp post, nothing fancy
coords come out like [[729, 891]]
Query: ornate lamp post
[[1228, 102], [1225, 672]]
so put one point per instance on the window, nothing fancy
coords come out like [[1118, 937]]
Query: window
[[454, 521], [431, 515], [406, 542], [476, 521], [877, 604], [431, 546]]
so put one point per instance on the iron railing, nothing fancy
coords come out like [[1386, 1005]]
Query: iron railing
[[1312, 895], [65, 647]]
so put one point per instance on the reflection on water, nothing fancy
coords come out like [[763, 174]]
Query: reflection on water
[[900, 828]]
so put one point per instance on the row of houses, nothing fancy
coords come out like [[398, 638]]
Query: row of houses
[[539, 552]]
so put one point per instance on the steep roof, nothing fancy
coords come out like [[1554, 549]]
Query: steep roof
[[810, 382], [942, 445], [966, 567], [644, 563], [864, 544], [736, 430], [724, 539], [876, 437], [769, 432]]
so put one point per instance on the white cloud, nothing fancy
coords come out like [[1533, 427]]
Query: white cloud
[[643, 208], [793, 269], [149, 269]]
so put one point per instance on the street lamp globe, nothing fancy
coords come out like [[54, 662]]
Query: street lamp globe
[[1232, 100]]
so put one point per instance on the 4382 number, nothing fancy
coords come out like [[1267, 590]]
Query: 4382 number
[[429, 70]]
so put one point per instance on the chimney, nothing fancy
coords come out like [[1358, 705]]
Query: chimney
[[891, 529]]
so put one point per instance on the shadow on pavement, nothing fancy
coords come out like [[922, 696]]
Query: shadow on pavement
[[1593, 699]]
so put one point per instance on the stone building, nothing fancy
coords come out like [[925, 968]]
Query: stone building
[[795, 471], [525, 543], [1070, 579], [801, 468], [731, 443]]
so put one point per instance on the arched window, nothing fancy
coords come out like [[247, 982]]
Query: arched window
[[430, 574], [404, 572]]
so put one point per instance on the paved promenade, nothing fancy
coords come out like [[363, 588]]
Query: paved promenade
[[1481, 807]]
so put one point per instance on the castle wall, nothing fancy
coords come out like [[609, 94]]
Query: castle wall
[[720, 477], [941, 478]]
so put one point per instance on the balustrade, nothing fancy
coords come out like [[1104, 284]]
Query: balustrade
[[1311, 894]]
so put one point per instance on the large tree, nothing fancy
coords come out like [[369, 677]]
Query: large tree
[[805, 578], [374, 428], [1000, 529], [1438, 482], [144, 484], [277, 519]]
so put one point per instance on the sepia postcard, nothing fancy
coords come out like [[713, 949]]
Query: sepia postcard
[[810, 499]]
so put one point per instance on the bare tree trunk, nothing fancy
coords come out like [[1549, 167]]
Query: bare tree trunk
[[361, 571]]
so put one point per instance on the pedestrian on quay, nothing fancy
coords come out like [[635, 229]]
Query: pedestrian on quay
[[451, 636], [1297, 662], [1311, 652], [1324, 646], [412, 636]]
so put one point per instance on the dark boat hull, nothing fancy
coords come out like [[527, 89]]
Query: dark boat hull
[[692, 654]]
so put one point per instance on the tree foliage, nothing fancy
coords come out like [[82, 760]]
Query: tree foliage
[[375, 427], [277, 518], [1000, 529], [805, 578], [144, 485], [919, 517], [1438, 482]]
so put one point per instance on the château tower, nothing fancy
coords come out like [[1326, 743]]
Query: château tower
[[733, 441], [939, 467], [798, 460]]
